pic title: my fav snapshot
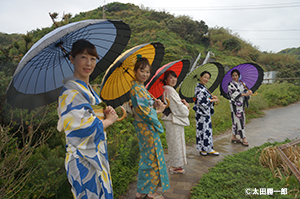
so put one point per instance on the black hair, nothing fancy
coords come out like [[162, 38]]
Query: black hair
[[235, 71], [167, 74], [81, 45], [204, 72], [141, 63]]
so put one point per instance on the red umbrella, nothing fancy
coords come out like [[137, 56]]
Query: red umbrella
[[180, 67]]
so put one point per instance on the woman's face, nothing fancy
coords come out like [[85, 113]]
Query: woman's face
[[84, 65], [142, 74], [235, 76], [205, 78], [171, 80]]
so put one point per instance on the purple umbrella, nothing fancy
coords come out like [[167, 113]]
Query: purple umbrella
[[251, 74]]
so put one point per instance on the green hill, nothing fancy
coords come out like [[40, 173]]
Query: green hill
[[181, 36], [292, 51]]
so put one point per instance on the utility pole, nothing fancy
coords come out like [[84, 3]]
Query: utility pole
[[103, 10]]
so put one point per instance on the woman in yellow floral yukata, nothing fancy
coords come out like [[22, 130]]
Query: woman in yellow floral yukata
[[152, 167]]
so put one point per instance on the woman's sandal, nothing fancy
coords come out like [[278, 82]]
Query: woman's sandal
[[213, 153], [156, 197], [141, 197], [176, 170], [245, 143], [237, 141]]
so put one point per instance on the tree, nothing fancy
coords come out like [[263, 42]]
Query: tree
[[28, 39], [16, 150], [285, 73]]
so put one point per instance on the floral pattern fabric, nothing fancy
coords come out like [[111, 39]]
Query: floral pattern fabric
[[152, 167], [204, 109]]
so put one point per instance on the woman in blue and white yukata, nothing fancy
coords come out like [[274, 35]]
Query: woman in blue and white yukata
[[239, 97], [204, 109], [86, 160]]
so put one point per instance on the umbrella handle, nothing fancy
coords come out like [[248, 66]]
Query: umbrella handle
[[168, 102], [124, 114], [254, 94], [100, 114]]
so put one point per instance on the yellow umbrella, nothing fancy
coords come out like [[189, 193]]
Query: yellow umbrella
[[116, 83]]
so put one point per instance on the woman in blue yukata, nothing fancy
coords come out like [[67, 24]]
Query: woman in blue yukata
[[86, 160], [239, 97], [204, 109], [152, 167]]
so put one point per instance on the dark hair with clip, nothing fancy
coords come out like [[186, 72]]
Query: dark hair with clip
[[81, 45], [142, 62], [167, 74]]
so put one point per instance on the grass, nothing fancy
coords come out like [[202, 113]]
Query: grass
[[231, 177]]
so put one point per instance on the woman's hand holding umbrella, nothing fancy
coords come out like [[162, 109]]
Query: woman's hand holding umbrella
[[110, 116], [249, 92], [101, 110], [215, 100], [160, 106], [185, 103]]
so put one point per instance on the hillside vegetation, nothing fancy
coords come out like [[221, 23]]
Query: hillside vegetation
[[292, 51], [182, 37], [33, 151]]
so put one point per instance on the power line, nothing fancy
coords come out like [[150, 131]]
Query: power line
[[273, 38], [243, 7], [267, 30]]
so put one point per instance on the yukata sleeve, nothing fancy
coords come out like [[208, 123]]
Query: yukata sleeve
[[246, 98], [176, 106], [202, 100], [83, 129], [233, 92], [141, 107]]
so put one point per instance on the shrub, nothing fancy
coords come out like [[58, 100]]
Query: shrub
[[232, 44]]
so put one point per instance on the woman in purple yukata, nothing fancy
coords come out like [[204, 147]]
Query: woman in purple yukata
[[239, 97]]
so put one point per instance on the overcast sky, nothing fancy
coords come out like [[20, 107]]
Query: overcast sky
[[271, 25]]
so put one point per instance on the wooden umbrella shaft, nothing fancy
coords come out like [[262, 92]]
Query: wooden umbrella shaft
[[245, 86], [254, 94]]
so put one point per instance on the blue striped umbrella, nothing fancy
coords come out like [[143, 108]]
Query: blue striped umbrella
[[38, 78]]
